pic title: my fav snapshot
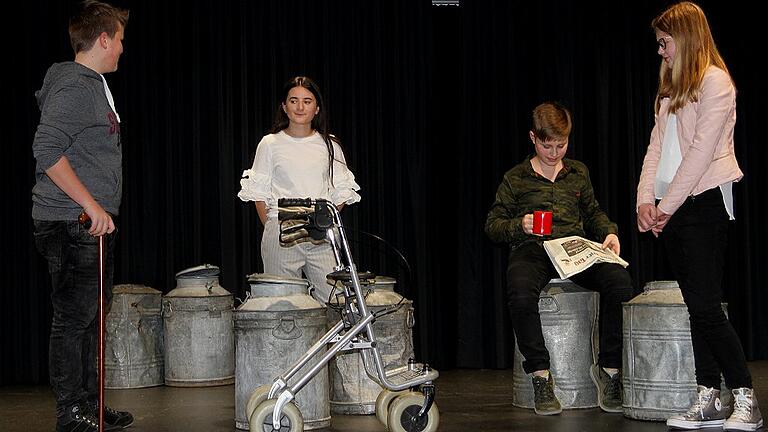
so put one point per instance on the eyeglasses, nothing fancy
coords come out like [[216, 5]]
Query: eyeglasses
[[663, 42]]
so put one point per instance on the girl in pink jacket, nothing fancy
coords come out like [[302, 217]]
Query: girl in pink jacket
[[684, 197]]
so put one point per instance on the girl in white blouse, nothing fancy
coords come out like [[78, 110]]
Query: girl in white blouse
[[298, 159]]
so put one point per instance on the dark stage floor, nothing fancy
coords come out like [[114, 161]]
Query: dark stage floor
[[469, 400]]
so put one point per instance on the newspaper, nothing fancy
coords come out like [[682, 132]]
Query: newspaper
[[574, 254]]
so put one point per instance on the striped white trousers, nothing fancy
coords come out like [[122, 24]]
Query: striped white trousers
[[316, 261]]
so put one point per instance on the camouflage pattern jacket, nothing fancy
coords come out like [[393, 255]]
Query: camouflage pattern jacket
[[570, 198]]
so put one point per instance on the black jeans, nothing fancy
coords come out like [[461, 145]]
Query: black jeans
[[72, 256], [528, 272], [695, 239]]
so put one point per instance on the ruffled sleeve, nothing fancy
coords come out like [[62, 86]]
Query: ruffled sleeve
[[256, 183], [344, 188]]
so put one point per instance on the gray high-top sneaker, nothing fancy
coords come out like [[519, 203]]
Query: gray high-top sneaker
[[706, 412], [746, 414], [544, 399]]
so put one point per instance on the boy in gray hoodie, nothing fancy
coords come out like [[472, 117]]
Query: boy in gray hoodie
[[78, 154]]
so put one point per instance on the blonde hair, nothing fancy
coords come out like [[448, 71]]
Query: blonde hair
[[696, 51]]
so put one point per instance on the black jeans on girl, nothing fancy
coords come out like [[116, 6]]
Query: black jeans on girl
[[696, 238]]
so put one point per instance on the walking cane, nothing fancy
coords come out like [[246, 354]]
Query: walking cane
[[85, 221]]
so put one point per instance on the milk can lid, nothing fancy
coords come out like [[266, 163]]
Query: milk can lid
[[270, 278], [385, 280], [661, 285], [201, 271], [133, 289]]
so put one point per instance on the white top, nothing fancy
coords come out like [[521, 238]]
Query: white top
[[670, 158], [110, 99], [670, 161], [288, 167]]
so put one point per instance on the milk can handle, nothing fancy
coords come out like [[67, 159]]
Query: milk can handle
[[548, 303], [410, 318], [167, 309], [241, 302]]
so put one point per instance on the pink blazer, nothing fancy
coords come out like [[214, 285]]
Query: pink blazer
[[705, 133]]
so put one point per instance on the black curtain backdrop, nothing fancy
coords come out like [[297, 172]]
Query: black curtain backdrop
[[432, 105]]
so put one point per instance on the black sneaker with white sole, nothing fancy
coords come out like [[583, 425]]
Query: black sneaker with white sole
[[77, 418], [113, 419]]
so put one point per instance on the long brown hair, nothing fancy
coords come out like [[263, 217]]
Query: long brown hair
[[319, 122], [696, 51]]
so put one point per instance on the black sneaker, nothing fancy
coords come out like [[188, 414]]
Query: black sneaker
[[77, 419], [544, 400], [609, 389], [113, 419]]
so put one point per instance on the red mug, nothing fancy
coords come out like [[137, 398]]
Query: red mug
[[542, 222]]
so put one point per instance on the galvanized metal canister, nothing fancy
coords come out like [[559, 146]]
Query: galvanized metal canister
[[352, 390], [199, 342], [658, 370], [273, 328], [133, 352], [569, 322]]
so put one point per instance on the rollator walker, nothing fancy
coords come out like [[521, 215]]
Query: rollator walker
[[406, 402]]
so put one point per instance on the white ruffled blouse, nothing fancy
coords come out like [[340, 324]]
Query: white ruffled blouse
[[288, 167]]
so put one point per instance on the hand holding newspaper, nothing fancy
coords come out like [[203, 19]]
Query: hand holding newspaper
[[574, 254]]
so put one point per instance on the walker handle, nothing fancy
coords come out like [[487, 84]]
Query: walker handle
[[294, 202]]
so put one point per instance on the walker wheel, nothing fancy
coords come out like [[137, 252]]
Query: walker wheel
[[258, 396], [261, 419], [383, 403], [404, 411]]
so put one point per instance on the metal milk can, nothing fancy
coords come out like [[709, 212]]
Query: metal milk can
[[658, 370], [273, 328], [570, 326], [133, 353], [199, 342], [352, 390]]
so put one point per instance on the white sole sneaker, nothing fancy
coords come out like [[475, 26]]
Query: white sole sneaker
[[743, 426], [692, 425]]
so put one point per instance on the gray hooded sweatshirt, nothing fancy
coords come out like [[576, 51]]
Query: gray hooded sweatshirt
[[76, 121]]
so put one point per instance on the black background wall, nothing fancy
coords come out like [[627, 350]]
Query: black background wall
[[432, 106]]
